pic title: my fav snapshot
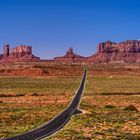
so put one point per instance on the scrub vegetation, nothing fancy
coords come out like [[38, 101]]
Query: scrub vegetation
[[110, 104]]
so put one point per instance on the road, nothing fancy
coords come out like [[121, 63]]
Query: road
[[57, 122]]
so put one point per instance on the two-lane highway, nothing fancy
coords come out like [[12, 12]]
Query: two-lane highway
[[57, 122]]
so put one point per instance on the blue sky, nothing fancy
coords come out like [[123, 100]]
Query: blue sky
[[51, 26]]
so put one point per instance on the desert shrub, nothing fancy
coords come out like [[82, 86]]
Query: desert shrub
[[1, 102], [109, 106], [35, 94], [131, 108], [132, 137], [11, 95], [18, 95], [120, 93]]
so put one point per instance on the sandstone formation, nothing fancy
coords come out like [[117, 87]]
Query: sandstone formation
[[20, 53], [107, 52], [70, 56], [128, 51]]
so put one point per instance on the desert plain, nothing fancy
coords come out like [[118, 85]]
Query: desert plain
[[33, 93]]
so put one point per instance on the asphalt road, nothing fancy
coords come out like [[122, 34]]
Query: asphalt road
[[57, 122]]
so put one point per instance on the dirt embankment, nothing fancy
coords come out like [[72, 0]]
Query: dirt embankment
[[21, 72], [38, 69], [50, 69]]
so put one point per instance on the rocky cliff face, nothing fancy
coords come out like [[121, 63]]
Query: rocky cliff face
[[69, 56], [20, 53], [128, 51], [107, 52]]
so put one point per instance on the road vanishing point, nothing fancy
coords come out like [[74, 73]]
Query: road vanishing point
[[58, 121]]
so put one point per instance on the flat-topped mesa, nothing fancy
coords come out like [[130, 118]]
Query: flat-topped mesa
[[69, 56], [19, 53], [128, 51], [130, 46]]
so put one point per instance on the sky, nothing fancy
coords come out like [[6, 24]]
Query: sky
[[52, 26]]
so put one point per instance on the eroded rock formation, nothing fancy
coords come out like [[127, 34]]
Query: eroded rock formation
[[107, 52], [128, 51], [20, 53], [69, 56]]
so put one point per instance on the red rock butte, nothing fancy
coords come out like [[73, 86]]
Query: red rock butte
[[128, 51], [19, 53], [107, 52], [70, 56]]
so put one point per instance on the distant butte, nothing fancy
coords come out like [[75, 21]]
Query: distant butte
[[70, 56], [107, 52], [110, 52], [20, 53]]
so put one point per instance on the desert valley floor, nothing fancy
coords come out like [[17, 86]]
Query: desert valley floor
[[32, 93]]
